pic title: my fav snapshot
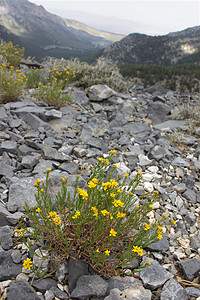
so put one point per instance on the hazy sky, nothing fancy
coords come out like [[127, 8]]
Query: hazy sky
[[144, 16]]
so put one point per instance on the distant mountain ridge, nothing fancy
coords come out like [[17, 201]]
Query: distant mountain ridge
[[45, 34], [177, 47]]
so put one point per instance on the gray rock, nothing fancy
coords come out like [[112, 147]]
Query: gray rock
[[77, 268], [6, 237], [100, 92], [161, 245], [20, 192], [8, 269], [6, 170], [157, 152], [42, 166], [26, 150], [52, 154], [79, 152], [33, 121], [136, 128], [59, 294], [53, 114], [6, 218], [89, 285], [192, 291], [44, 284], [172, 290], [79, 97], [15, 123], [178, 161], [195, 242], [71, 168], [29, 161], [190, 268], [121, 283], [3, 114], [133, 293], [190, 195], [8, 146], [16, 256], [157, 112], [155, 275], [144, 160], [170, 124], [180, 188], [21, 290]]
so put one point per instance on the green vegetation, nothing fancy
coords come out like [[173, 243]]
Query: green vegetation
[[183, 78], [105, 225]]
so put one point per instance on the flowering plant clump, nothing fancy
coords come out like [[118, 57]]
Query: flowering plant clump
[[12, 83], [34, 76], [13, 54], [51, 91], [103, 225]]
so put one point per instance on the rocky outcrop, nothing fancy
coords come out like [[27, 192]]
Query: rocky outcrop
[[69, 141]]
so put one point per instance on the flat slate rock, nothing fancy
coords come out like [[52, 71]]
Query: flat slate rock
[[21, 290], [89, 285], [8, 269], [191, 268], [170, 124], [172, 290], [161, 245], [155, 275]]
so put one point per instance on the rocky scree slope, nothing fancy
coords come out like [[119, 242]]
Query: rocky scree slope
[[35, 137]]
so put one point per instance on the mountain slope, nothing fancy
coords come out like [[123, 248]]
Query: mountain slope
[[161, 50], [42, 33], [93, 31]]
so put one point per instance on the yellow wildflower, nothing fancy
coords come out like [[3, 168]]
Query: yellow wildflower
[[151, 207], [160, 229], [174, 222], [149, 263], [126, 175], [114, 165], [19, 231], [105, 212], [107, 252], [138, 250], [57, 220], [97, 250], [112, 195], [114, 152], [82, 193], [159, 236], [120, 215], [165, 217], [48, 170], [146, 226], [139, 173], [38, 210], [117, 203], [76, 215], [112, 232], [52, 214], [101, 160], [27, 264]]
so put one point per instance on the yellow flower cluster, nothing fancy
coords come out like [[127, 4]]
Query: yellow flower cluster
[[103, 160], [113, 152], [55, 218], [95, 211], [77, 214], [117, 203], [37, 183], [19, 231], [138, 250], [93, 183], [110, 184], [82, 193], [120, 215], [105, 212], [146, 226]]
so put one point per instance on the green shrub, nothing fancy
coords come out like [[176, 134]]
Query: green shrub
[[34, 77], [12, 54], [103, 225], [12, 83], [103, 72]]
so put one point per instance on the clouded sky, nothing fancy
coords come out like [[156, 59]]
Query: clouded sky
[[144, 16]]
